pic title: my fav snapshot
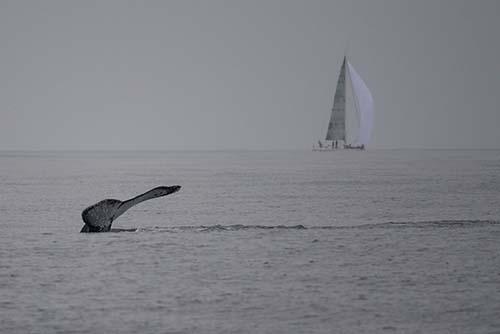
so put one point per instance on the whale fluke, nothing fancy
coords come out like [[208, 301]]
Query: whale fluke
[[100, 216]]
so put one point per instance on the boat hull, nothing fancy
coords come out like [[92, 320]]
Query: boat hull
[[345, 147]]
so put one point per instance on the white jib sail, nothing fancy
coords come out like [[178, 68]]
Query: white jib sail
[[365, 105]]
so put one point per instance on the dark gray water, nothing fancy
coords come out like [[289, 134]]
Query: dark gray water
[[255, 242]]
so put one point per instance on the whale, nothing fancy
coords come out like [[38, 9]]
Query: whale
[[100, 216]]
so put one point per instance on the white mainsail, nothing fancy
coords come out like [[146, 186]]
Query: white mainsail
[[365, 105], [336, 126]]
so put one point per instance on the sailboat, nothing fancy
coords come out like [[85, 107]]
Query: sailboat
[[336, 135]]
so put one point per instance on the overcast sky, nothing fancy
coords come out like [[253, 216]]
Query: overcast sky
[[244, 74]]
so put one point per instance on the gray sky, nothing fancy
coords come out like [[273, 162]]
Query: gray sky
[[244, 74]]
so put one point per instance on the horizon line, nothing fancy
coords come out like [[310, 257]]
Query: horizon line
[[242, 149]]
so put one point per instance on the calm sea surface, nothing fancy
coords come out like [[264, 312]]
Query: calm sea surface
[[382, 241]]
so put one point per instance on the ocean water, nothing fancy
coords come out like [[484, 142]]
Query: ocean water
[[382, 241]]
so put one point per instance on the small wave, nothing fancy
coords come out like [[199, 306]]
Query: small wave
[[239, 227], [116, 230], [387, 225], [433, 224], [222, 228]]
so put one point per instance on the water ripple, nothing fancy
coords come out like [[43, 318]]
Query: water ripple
[[385, 225]]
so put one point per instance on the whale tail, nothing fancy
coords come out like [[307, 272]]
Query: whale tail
[[100, 216]]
